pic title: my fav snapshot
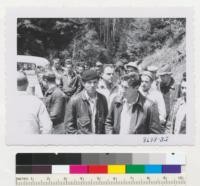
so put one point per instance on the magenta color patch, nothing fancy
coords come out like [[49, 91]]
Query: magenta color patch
[[78, 169]]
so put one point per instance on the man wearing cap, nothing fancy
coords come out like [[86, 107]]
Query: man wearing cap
[[153, 70], [55, 102], [86, 112], [168, 88], [106, 84], [153, 95], [131, 112], [30, 114], [132, 67]]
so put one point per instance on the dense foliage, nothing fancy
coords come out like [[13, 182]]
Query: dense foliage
[[92, 39]]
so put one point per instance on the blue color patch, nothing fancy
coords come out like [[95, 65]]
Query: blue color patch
[[153, 169]]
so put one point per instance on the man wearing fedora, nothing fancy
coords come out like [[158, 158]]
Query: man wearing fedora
[[86, 112], [168, 87]]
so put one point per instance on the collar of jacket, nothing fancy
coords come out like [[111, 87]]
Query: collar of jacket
[[51, 90], [103, 85], [83, 96], [140, 101]]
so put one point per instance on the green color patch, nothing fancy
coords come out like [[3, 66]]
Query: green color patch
[[137, 169]]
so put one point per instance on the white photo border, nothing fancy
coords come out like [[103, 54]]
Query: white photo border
[[93, 12]]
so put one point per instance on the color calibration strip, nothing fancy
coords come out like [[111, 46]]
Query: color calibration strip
[[89, 163], [99, 169]]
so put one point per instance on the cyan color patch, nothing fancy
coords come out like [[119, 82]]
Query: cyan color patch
[[153, 169]]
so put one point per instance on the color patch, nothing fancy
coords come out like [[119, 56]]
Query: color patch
[[78, 169], [136, 169], [98, 169], [174, 159], [24, 169], [89, 159], [171, 169], [153, 169], [116, 169], [157, 159], [59, 169], [140, 159], [41, 169]]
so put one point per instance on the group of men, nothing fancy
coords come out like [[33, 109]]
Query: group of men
[[105, 99]]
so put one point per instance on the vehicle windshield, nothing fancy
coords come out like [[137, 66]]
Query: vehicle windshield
[[25, 66]]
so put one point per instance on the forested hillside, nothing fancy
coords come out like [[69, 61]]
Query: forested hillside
[[149, 40]]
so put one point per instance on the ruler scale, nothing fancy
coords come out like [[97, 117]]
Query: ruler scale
[[103, 180]]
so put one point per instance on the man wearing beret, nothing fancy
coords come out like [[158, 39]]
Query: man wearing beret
[[86, 112]]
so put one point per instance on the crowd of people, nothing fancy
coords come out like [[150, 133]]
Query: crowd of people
[[104, 99]]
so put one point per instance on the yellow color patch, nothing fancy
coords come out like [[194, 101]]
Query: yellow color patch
[[116, 169]]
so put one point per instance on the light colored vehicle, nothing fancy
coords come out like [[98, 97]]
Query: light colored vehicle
[[33, 67], [38, 61]]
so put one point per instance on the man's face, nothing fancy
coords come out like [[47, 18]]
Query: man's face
[[98, 68], [127, 91], [57, 64], [165, 78], [91, 86], [146, 83], [131, 69], [87, 67], [108, 74], [80, 69], [69, 67], [183, 89]]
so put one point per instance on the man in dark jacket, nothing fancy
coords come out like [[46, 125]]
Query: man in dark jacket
[[168, 87], [55, 102], [131, 112], [86, 112], [70, 82]]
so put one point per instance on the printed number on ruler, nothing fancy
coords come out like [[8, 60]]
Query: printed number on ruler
[[103, 180]]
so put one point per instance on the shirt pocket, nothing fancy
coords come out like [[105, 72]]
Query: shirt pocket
[[83, 121]]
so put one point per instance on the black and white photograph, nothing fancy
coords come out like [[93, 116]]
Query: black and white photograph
[[115, 80]]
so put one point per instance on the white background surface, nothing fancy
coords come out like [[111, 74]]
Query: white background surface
[[7, 153]]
